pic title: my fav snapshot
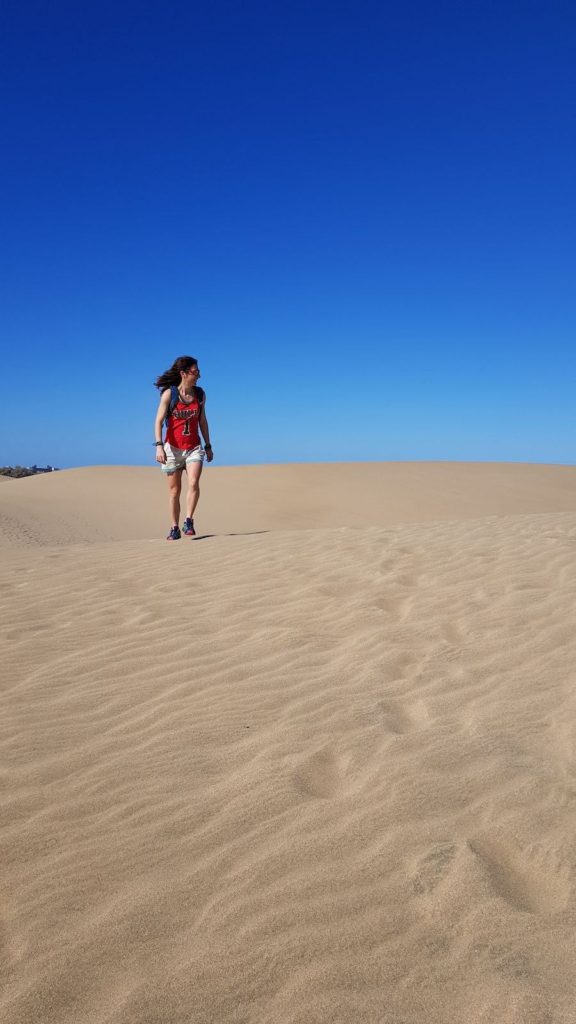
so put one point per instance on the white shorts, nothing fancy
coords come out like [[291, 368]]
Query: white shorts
[[180, 458]]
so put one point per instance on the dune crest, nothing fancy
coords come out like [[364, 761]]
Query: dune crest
[[100, 503]]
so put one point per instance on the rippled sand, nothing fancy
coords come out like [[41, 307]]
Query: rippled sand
[[285, 775]]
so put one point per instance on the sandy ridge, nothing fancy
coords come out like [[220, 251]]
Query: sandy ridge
[[102, 503]]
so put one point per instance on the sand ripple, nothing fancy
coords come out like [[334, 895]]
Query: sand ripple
[[309, 777]]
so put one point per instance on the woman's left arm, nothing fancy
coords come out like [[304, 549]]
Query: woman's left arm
[[206, 432]]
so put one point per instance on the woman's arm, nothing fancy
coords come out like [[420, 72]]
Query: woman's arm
[[159, 423], [205, 432]]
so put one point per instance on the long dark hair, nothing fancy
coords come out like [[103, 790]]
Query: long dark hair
[[172, 376]]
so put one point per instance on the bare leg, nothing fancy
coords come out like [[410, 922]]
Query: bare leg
[[193, 470], [174, 487]]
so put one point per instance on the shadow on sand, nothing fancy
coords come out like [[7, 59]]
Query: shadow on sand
[[208, 536]]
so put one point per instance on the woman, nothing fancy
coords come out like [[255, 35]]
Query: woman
[[183, 409]]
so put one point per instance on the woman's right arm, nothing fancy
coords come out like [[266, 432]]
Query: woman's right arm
[[159, 423]]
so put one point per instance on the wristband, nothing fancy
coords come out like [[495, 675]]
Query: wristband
[[158, 444], [208, 447]]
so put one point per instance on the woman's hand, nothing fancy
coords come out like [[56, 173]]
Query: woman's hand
[[209, 453], [160, 455]]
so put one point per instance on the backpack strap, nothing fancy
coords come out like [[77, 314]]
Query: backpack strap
[[174, 396]]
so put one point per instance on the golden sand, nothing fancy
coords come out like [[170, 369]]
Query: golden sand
[[317, 766]]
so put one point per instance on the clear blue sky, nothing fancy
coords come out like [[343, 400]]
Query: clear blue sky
[[360, 217]]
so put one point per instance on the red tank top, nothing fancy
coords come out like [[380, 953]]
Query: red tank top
[[182, 425]]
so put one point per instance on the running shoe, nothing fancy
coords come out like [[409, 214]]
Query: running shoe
[[174, 534], [188, 528]]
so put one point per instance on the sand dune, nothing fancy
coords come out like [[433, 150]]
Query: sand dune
[[103, 503], [316, 767]]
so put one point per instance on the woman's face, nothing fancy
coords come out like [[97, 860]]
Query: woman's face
[[190, 376]]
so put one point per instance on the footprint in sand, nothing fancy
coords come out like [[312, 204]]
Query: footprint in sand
[[396, 608], [453, 633], [433, 867], [533, 880], [321, 775], [511, 962], [409, 580], [401, 717]]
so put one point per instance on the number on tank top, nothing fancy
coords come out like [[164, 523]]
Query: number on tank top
[[186, 431]]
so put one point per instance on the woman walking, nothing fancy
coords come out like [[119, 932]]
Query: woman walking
[[183, 409]]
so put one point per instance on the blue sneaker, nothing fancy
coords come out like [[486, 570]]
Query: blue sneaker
[[188, 528], [174, 534]]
